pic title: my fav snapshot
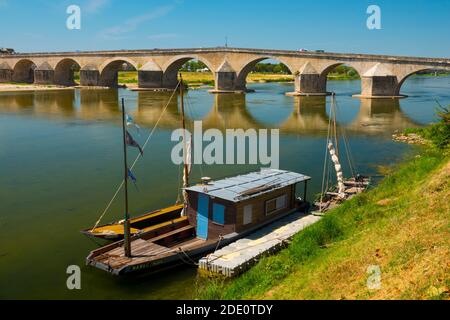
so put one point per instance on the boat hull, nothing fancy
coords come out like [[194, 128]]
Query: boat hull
[[141, 224], [188, 251]]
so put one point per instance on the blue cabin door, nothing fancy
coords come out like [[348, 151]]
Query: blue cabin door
[[202, 216]]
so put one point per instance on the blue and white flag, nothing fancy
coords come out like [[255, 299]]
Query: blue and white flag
[[130, 122], [132, 143], [133, 178]]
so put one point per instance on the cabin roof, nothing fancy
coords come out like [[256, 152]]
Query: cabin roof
[[252, 185]]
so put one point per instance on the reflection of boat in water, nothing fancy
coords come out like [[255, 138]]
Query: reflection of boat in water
[[333, 195]]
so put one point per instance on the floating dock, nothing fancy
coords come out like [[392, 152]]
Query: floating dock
[[239, 256]]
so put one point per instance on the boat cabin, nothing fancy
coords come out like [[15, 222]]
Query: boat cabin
[[242, 203]]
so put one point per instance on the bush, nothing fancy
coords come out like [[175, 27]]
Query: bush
[[439, 133]]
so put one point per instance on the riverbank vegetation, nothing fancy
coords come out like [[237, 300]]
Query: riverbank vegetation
[[400, 227]]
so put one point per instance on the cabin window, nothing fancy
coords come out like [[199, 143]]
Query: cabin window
[[219, 214], [248, 214], [275, 205]]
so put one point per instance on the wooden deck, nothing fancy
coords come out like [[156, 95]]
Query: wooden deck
[[181, 245]]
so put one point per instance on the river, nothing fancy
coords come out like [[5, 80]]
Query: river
[[61, 160]]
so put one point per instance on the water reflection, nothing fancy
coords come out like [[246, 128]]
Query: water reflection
[[308, 115], [381, 116]]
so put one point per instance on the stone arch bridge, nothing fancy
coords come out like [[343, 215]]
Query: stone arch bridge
[[381, 76]]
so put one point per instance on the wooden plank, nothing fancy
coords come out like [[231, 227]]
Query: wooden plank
[[168, 234]]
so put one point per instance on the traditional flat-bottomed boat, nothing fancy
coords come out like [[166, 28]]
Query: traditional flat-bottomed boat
[[153, 221], [218, 213]]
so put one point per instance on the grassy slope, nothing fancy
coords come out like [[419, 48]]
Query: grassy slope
[[401, 226]]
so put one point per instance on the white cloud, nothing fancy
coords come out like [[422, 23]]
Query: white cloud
[[132, 24]]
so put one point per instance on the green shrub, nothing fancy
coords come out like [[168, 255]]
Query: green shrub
[[438, 133]]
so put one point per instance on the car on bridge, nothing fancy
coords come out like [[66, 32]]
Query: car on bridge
[[7, 51]]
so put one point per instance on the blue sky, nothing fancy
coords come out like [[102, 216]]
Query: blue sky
[[414, 27]]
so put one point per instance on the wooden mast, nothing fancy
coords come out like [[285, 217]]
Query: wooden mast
[[126, 224], [185, 148], [333, 108]]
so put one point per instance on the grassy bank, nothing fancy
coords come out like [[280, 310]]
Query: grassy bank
[[401, 226]]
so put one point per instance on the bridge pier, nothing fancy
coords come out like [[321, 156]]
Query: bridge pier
[[150, 76], [44, 74], [89, 76], [308, 82], [379, 87], [6, 73], [225, 79], [378, 83]]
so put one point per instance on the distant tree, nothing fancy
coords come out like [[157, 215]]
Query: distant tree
[[271, 68], [193, 65]]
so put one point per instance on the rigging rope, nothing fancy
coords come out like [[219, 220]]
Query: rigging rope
[[350, 159], [137, 159], [326, 161]]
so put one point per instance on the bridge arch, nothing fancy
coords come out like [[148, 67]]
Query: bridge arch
[[241, 80], [109, 70], [323, 74], [402, 79], [172, 67], [23, 71], [64, 71]]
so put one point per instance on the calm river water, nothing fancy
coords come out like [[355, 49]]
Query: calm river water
[[61, 160]]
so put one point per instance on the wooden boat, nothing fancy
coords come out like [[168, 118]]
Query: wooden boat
[[218, 213], [345, 189], [145, 223], [332, 199]]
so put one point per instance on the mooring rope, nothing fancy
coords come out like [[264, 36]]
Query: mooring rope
[[139, 156]]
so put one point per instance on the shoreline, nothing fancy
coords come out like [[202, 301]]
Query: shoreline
[[31, 87]]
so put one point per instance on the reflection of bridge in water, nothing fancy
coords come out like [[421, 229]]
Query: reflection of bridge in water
[[229, 111]]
